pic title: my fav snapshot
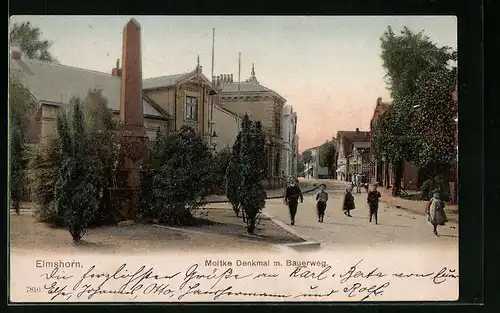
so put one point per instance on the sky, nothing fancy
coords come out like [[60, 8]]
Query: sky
[[327, 67]]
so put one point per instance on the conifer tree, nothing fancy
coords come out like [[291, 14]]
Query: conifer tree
[[76, 192], [233, 176], [253, 193], [20, 108]]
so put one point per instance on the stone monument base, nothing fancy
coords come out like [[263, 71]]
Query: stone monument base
[[125, 203]]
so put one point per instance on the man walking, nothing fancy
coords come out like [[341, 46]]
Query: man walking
[[292, 196], [358, 182], [321, 198], [373, 200]]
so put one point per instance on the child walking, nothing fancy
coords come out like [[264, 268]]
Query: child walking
[[348, 202], [373, 199], [321, 198], [435, 212]]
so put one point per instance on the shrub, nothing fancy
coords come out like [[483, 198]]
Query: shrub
[[44, 159], [440, 184], [176, 178]]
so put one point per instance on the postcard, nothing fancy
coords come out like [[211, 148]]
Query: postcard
[[233, 159]]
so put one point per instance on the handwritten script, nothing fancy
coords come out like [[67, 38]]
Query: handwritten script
[[226, 282]]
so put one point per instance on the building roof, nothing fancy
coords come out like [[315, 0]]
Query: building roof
[[172, 80], [251, 85], [55, 83], [380, 108], [163, 81]]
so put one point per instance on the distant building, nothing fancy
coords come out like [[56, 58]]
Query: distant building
[[381, 171], [226, 125], [353, 153], [262, 104], [296, 163], [290, 154], [314, 170]]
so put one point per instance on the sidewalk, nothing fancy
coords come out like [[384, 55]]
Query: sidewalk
[[416, 207]]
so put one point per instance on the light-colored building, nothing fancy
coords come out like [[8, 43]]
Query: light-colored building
[[296, 163], [318, 171], [290, 155], [186, 97], [353, 153], [226, 126], [52, 85], [262, 104]]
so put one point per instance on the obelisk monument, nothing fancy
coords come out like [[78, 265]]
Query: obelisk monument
[[133, 142], [131, 89]]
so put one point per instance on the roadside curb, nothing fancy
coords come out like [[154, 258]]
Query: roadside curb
[[308, 243]]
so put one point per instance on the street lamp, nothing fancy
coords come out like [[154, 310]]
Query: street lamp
[[211, 93], [213, 140]]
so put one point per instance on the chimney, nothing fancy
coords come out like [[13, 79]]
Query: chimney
[[117, 71], [15, 53]]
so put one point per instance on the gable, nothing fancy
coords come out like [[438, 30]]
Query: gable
[[173, 80]]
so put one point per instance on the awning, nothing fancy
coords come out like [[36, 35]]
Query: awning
[[341, 169]]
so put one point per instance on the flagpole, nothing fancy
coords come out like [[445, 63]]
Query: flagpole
[[210, 126], [239, 70], [213, 53]]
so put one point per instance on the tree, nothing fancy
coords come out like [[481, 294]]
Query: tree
[[419, 76], [21, 107], [45, 159], [27, 37], [233, 176], [103, 137], [307, 156], [300, 165], [76, 191], [407, 57], [327, 156], [220, 163], [435, 123], [393, 139], [177, 177], [253, 193]]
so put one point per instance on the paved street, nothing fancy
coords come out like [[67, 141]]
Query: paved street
[[396, 226]]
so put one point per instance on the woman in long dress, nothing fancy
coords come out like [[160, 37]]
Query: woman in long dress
[[436, 214], [348, 204]]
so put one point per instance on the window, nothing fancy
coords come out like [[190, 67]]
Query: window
[[191, 108]]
